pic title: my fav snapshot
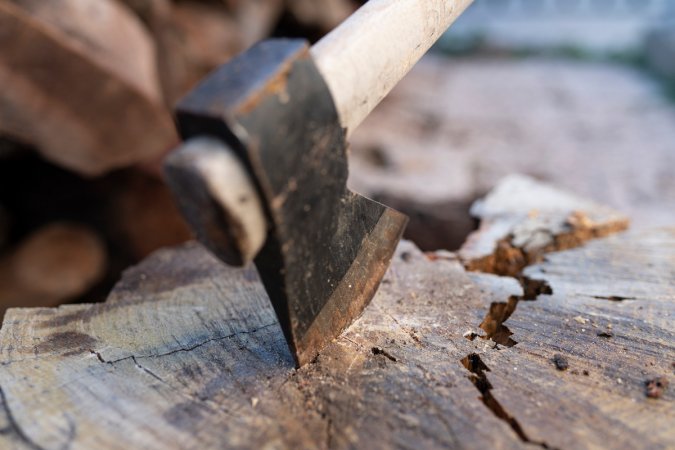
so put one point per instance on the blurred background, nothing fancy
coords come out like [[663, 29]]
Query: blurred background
[[580, 93]]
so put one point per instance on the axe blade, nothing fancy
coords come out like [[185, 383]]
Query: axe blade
[[327, 248], [350, 296]]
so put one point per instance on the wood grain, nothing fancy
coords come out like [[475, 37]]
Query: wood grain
[[522, 219], [187, 353]]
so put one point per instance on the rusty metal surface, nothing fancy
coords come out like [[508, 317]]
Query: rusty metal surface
[[327, 248]]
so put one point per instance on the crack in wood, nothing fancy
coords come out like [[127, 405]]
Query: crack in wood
[[199, 398], [517, 250], [493, 323], [13, 426], [613, 298], [511, 255], [532, 288], [148, 371], [477, 367], [383, 352], [184, 349]]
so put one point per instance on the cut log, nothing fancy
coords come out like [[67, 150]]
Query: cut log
[[58, 262], [193, 38], [187, 353], [133, 214], [80, 84]]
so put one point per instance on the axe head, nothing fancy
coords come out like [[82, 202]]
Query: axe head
[[327, 248]]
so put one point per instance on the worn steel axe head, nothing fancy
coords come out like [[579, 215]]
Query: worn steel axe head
[[327, 248]]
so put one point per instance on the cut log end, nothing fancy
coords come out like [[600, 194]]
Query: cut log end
[[187, 352]]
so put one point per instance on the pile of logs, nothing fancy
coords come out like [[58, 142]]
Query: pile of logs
[[85, 118]]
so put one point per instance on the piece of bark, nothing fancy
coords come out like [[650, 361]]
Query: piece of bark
[[80, 84], [187, 353], [58, 262], [522, 219]]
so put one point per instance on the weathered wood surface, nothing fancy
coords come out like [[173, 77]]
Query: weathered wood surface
[[187, 353], [522, 219]]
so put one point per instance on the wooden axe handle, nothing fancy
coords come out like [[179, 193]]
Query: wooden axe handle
[[368, 54], [360, 61]]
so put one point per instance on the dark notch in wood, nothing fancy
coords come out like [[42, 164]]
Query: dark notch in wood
[[534, 288], [493, 323], [477, 367], [383, 352], [522, 219], [515, 251], [613, 298]]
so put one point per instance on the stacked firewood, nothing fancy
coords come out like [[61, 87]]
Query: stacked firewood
[[85, 119]]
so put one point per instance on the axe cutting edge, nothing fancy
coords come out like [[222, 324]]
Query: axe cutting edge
[[262, 173]]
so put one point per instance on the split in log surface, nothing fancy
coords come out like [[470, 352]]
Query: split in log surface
[[574, 352], [187, 353], [522, 219]]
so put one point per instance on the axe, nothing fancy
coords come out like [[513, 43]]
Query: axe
[[261, 175]]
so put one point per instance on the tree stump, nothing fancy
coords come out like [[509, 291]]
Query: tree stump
[[187, 353]]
